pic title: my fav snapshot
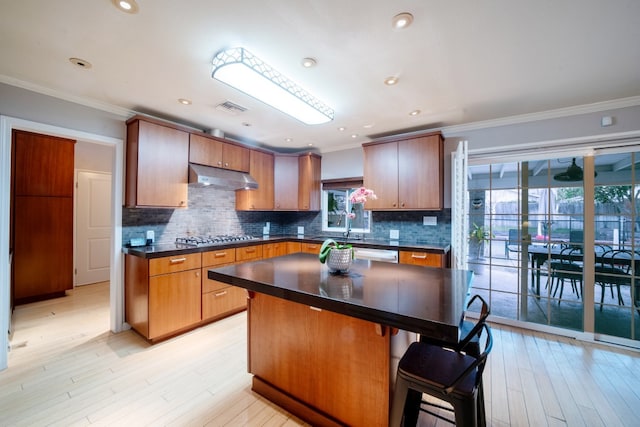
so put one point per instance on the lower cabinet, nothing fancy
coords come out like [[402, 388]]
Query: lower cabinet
[[220, 299], [163, 295], [428, 259], [310, 248]]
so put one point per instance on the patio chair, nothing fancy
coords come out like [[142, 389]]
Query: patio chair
[[565, 268], [615, 271], [512, 244]]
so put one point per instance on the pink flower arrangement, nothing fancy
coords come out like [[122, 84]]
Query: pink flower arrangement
[[361, 195]]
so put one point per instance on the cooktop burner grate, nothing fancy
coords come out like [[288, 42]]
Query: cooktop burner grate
[[212, 240]]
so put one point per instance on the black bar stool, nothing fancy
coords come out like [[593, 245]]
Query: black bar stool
[[451, 376]]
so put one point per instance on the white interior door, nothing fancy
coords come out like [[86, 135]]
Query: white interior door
[[93, 227]]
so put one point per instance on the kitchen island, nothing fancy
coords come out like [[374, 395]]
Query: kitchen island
[[320, 344]]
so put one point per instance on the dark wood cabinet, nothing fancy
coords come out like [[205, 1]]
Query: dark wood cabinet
[[406, 173], [42, 216], [206, 150], [157, 164], [261, 168]]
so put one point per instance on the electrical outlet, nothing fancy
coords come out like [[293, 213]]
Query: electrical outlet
[[394, 234], [300, 230], [429, 220]]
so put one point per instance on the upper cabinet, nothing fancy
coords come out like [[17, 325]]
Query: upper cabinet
[[297, 182], [156, 165], [405, 172], [205, 150], [261, 169]]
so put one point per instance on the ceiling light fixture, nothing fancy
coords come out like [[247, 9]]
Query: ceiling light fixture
[[572, 174], [342, 128], [243, 71], [80, 63], [415, 112], [129, 6], [390, 81], [402, 20], [184, 101], [308, 62]]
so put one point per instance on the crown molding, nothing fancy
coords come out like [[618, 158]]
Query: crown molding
[[109, 108], [454, 130]]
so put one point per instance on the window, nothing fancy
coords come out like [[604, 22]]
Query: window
[[336, 206]]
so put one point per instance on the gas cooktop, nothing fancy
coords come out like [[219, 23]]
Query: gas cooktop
[[212, 240]]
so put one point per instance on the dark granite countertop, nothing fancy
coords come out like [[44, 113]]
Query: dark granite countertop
[[426, 300], [170, 249]]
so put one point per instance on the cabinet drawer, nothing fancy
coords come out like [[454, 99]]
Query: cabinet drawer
[[209, 285], [310, 248], [223, 300], [171, 264], [271, 250], [223, 256], [248, 253], [421, 258]]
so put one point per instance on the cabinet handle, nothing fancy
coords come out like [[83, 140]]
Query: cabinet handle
[[220, 163], [402, 204], [220, 254], [197, 274], [226, 165], [219, 294], [177, 260], [394, 205], [315, 308], [249, 251], [419, 256]]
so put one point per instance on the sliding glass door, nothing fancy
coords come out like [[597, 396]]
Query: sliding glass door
[[542, 239]]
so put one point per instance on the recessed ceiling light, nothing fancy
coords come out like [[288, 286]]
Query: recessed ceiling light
[[129, 6], [246, 124], [80, 63], [415, 112], [310, 145], [368, 126], [342, 128], [184, 101], [288, 140], [354, 135], [390, 81], [402, 20], [308, 62]]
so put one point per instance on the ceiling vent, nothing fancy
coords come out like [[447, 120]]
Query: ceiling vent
[[231, 108]]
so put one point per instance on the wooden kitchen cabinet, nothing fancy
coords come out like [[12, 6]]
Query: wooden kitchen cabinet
[[405, 173], [163, 295], [41, 235], [209, 151], [220, 299], [297, 182], [294, 247], [249, 253], [261, 168], [270, 250], [422, 258], [310, 248], [309, 197], [285, 172], [156, 164]]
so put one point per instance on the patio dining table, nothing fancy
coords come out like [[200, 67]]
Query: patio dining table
[[539, 254]]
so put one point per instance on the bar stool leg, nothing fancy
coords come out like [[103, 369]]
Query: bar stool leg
[[399, 399]]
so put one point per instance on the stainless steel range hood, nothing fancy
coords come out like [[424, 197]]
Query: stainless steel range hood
[[202, 176]]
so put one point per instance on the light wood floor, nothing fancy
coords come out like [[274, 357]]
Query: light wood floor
[[67, 369]]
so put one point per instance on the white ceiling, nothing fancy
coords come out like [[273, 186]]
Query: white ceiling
[[460, 61]]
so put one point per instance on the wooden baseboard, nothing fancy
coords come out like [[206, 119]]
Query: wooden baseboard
[[293, 405]]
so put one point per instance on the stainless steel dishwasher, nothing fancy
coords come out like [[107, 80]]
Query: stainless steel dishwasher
[[384, 255]]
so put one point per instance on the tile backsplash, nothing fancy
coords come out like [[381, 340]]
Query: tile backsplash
[[212, 211]]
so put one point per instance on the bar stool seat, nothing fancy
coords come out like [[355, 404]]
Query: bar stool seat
[[451, 376]]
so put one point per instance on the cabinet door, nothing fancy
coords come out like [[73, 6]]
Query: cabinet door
[[43, 247], [157, 165], [309, 183], [420, 173], [174, 302], [286, 182], [205, 151], [319, 357], [221, 299], [235, 157], [43, 165], [261, 169], [421, 258], [271, 250], [381, 174]]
